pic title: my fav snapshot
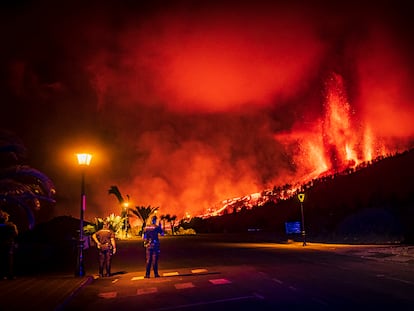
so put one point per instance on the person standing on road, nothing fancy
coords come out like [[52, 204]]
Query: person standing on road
[[8, 235], [152, 245], [105, 242]]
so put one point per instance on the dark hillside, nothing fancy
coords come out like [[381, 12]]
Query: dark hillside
[[372, 204]]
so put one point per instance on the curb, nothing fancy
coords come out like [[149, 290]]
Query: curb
[[88, 280]]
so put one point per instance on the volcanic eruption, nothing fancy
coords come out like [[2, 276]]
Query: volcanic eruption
[[336, 142]]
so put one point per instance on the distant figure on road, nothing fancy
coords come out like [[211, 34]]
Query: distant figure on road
[[8, 235], [105, 242], [152, 245]]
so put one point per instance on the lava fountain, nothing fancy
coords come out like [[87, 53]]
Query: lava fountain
[[335, 142]]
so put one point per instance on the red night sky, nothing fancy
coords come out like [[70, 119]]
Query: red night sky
[[187, 103]]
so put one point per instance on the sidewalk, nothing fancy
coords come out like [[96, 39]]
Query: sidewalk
[[393, 253], [50, 292]]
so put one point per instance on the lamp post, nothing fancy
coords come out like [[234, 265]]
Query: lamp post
[[125, 212], [84, 159], [301, 197]]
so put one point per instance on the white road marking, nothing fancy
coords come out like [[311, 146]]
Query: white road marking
[[278, 281], [170, 273], [184, 285], [198, 270], [219, 281], [145, 291], [136, 278], [108, 295]]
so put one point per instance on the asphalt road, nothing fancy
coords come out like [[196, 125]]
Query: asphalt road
[[223, 272]]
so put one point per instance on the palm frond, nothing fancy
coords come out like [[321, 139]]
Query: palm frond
[[22, 188], [38, 181], [115, 191], [18, 195]]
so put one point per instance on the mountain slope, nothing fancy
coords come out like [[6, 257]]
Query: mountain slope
[[372, 204]]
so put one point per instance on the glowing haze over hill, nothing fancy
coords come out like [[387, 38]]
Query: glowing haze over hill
[[191, 103]]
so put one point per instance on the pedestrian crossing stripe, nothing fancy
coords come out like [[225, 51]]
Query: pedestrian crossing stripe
[[153, 290], [219, 281], [198, 271], [136, 278], [145, 291], [108, 295], [173, 273], [184, 285], [170, 273]]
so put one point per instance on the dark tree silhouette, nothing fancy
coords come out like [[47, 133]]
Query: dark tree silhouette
[[144, 213], [25, 192], [124, 207]]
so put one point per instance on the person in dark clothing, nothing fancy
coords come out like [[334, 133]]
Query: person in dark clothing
[[8, 235], [152, 245], [105, 242]]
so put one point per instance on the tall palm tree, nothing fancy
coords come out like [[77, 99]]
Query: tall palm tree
[[164, 218], [124, 207], [24, 191], [172, 220], [115, 191], [144, 213]]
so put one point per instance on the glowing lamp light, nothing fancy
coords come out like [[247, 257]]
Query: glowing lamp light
[[84, 158]]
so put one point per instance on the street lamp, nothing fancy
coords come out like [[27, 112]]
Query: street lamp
[[84, 159], [301, 197], [125, 214]]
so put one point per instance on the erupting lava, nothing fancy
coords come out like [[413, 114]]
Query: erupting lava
[[334, 143], [346, 143], [336, 127], [338, 140]]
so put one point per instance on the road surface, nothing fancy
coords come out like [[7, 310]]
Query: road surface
[[215, 272]]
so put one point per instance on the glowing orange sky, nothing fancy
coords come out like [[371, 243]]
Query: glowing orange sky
[[195, 103]]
